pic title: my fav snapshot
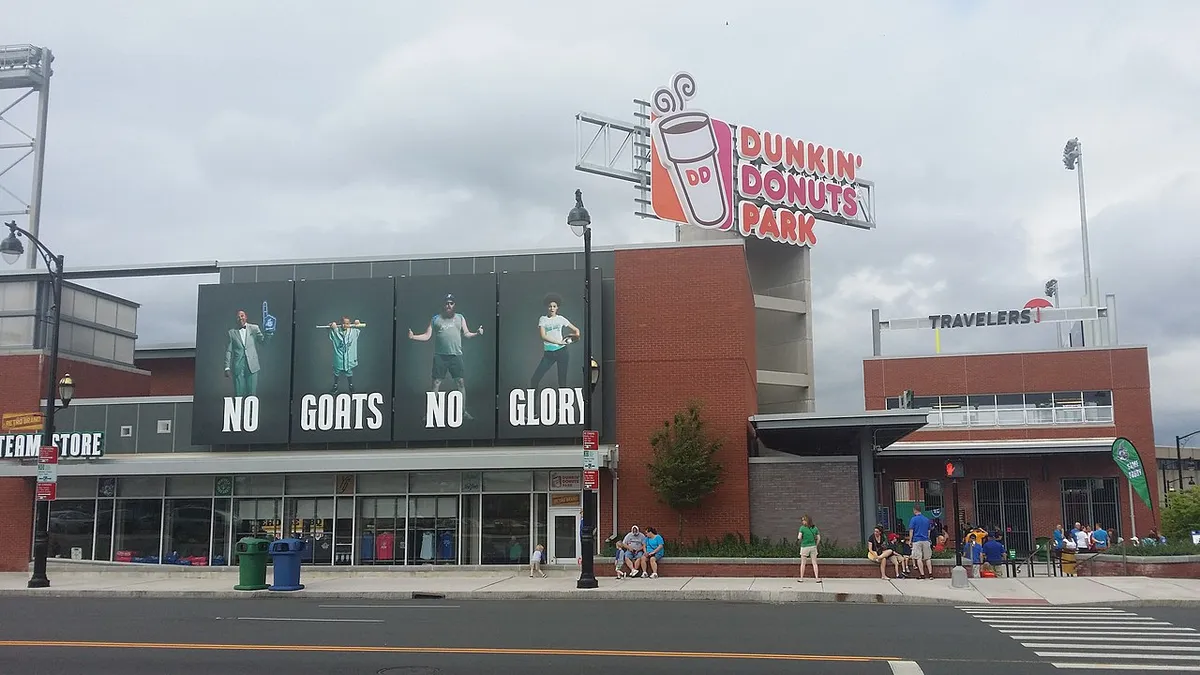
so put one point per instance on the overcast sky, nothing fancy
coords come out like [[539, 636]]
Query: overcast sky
[[234, 131]]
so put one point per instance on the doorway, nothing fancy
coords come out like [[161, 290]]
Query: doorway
[[563, 536]]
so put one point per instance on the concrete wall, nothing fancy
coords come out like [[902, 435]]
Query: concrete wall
[[782, 489]]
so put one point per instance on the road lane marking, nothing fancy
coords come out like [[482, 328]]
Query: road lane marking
[[284, 618], [1125, 666], [1067, 645], [905, 668], [1152, 657], [622, 653], [1072, 637], [388, 606]]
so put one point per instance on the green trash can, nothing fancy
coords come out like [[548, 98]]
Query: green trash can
[[252, 564]]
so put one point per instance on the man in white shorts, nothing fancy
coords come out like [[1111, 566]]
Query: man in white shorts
[[922, 549]]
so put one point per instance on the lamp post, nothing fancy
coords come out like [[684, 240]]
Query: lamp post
[[581, 224], [1179, 454], [11, 249], [1073, 161]]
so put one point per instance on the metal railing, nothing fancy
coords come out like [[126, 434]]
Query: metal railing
[[1017, 417]]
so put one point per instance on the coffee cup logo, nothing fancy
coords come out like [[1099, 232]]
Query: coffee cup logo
[[688, 151]]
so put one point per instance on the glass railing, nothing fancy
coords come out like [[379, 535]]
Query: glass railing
[[1016, 417]]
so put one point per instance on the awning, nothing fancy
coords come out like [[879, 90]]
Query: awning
[[819, 434], [314, 461], [1044, 446]]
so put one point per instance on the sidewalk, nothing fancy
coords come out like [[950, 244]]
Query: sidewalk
[[509, 584]]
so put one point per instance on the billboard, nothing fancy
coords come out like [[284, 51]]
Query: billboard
[[243, 363], [342, 361], [712, 174], [541, 360], [445, 358]]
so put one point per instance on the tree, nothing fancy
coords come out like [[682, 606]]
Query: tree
[[1181, 516], [684, 471]]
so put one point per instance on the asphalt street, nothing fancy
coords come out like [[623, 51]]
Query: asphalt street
[[74, 636]]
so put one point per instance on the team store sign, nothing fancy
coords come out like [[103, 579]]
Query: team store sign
[[711, 174]]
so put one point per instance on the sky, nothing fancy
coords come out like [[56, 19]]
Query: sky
[[247, 131]]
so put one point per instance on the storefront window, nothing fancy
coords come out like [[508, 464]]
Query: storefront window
[[506, 530], [540, 519], [187, 531], [139, 530], [507, 481], [221, 523], [382, 530], [72, 523], [311, 521], [470, 530], [104, 530], [434, 482], [433, 530], [256, 518]]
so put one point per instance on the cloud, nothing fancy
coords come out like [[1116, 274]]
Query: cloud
[[235, 131]]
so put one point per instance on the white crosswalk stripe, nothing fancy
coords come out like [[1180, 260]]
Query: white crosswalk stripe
[[1095, 638]]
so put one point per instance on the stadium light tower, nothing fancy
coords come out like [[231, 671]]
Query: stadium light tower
[[26, 70]]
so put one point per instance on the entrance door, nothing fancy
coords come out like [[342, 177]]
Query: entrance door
[[564, 537]]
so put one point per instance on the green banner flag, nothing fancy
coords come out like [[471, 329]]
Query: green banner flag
[[1126, 457]]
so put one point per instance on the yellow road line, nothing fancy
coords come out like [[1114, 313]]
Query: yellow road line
[[440, 650]]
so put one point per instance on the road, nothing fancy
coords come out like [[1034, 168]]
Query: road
[[73, 636]]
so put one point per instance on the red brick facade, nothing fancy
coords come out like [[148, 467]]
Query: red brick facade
[[1124, 371], [171, 377], [21, 389], [685, 331]]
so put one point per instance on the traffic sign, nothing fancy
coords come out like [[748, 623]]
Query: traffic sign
[[591, 440], [46, 492], [591, 460], [48, 454], [591, 479], [47, 473]]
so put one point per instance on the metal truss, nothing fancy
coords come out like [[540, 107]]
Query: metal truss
[[24, 69]]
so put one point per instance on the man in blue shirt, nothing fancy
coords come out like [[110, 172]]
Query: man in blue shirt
[[993, 553], [922, 549], [1100, 537]]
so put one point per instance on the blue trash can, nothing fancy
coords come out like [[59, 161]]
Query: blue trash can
[[285, 554]]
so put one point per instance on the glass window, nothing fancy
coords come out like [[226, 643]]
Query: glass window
[[393, 483], [260, 485], [471, 481], [309, 484], [925, 401], [470, 530], [139, 530], [16, 296], [105, 345], [982, 409], [189, 486], [221, 522], [1089, 501], [540, 519], [1068, 407], [256, 518], [84, 307], [433, 530], [541, 481], [187, 531], [954, 410], [893, 403], [140, 486], [506, 530], [1097, 406], [1010, 409], [127, 318], [71, 487], [72, 522], [16, 331], [1097, 398], [507, 481], [104, 530], [1039, 409], [433, 482]]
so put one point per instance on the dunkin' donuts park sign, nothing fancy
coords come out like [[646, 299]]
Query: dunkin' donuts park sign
[[713, 174]]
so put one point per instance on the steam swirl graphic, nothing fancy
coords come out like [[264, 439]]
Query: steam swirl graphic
[[667, 101], [685, 88]]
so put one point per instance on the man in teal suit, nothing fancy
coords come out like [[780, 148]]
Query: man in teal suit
[[241, 355], [345, 350]]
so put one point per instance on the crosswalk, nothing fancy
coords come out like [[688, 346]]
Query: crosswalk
[[1096, 638]]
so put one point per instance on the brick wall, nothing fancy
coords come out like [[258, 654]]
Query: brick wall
[[1124, 371], [171, 377], [780, 493], [684, 331], [21, 388]]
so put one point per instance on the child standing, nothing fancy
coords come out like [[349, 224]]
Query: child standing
[[974, 553], [539, 557], [620, 560]]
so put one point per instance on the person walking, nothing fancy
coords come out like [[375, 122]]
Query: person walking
[[810, 539]]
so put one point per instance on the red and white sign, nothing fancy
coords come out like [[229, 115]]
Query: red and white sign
[[46, 492], [48, 454], [591, 480], [591, 440]]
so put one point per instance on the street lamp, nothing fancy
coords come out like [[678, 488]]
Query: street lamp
[[581, 224], [1073, 161], [11, 249], [1179, 454]]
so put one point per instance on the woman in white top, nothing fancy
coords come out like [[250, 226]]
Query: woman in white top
[[1083, 539], [556, 332]]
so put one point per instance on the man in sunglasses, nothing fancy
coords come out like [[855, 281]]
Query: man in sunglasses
[[448, 330]]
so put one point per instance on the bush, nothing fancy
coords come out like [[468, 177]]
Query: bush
[[1177, 548], [1181, 516]]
